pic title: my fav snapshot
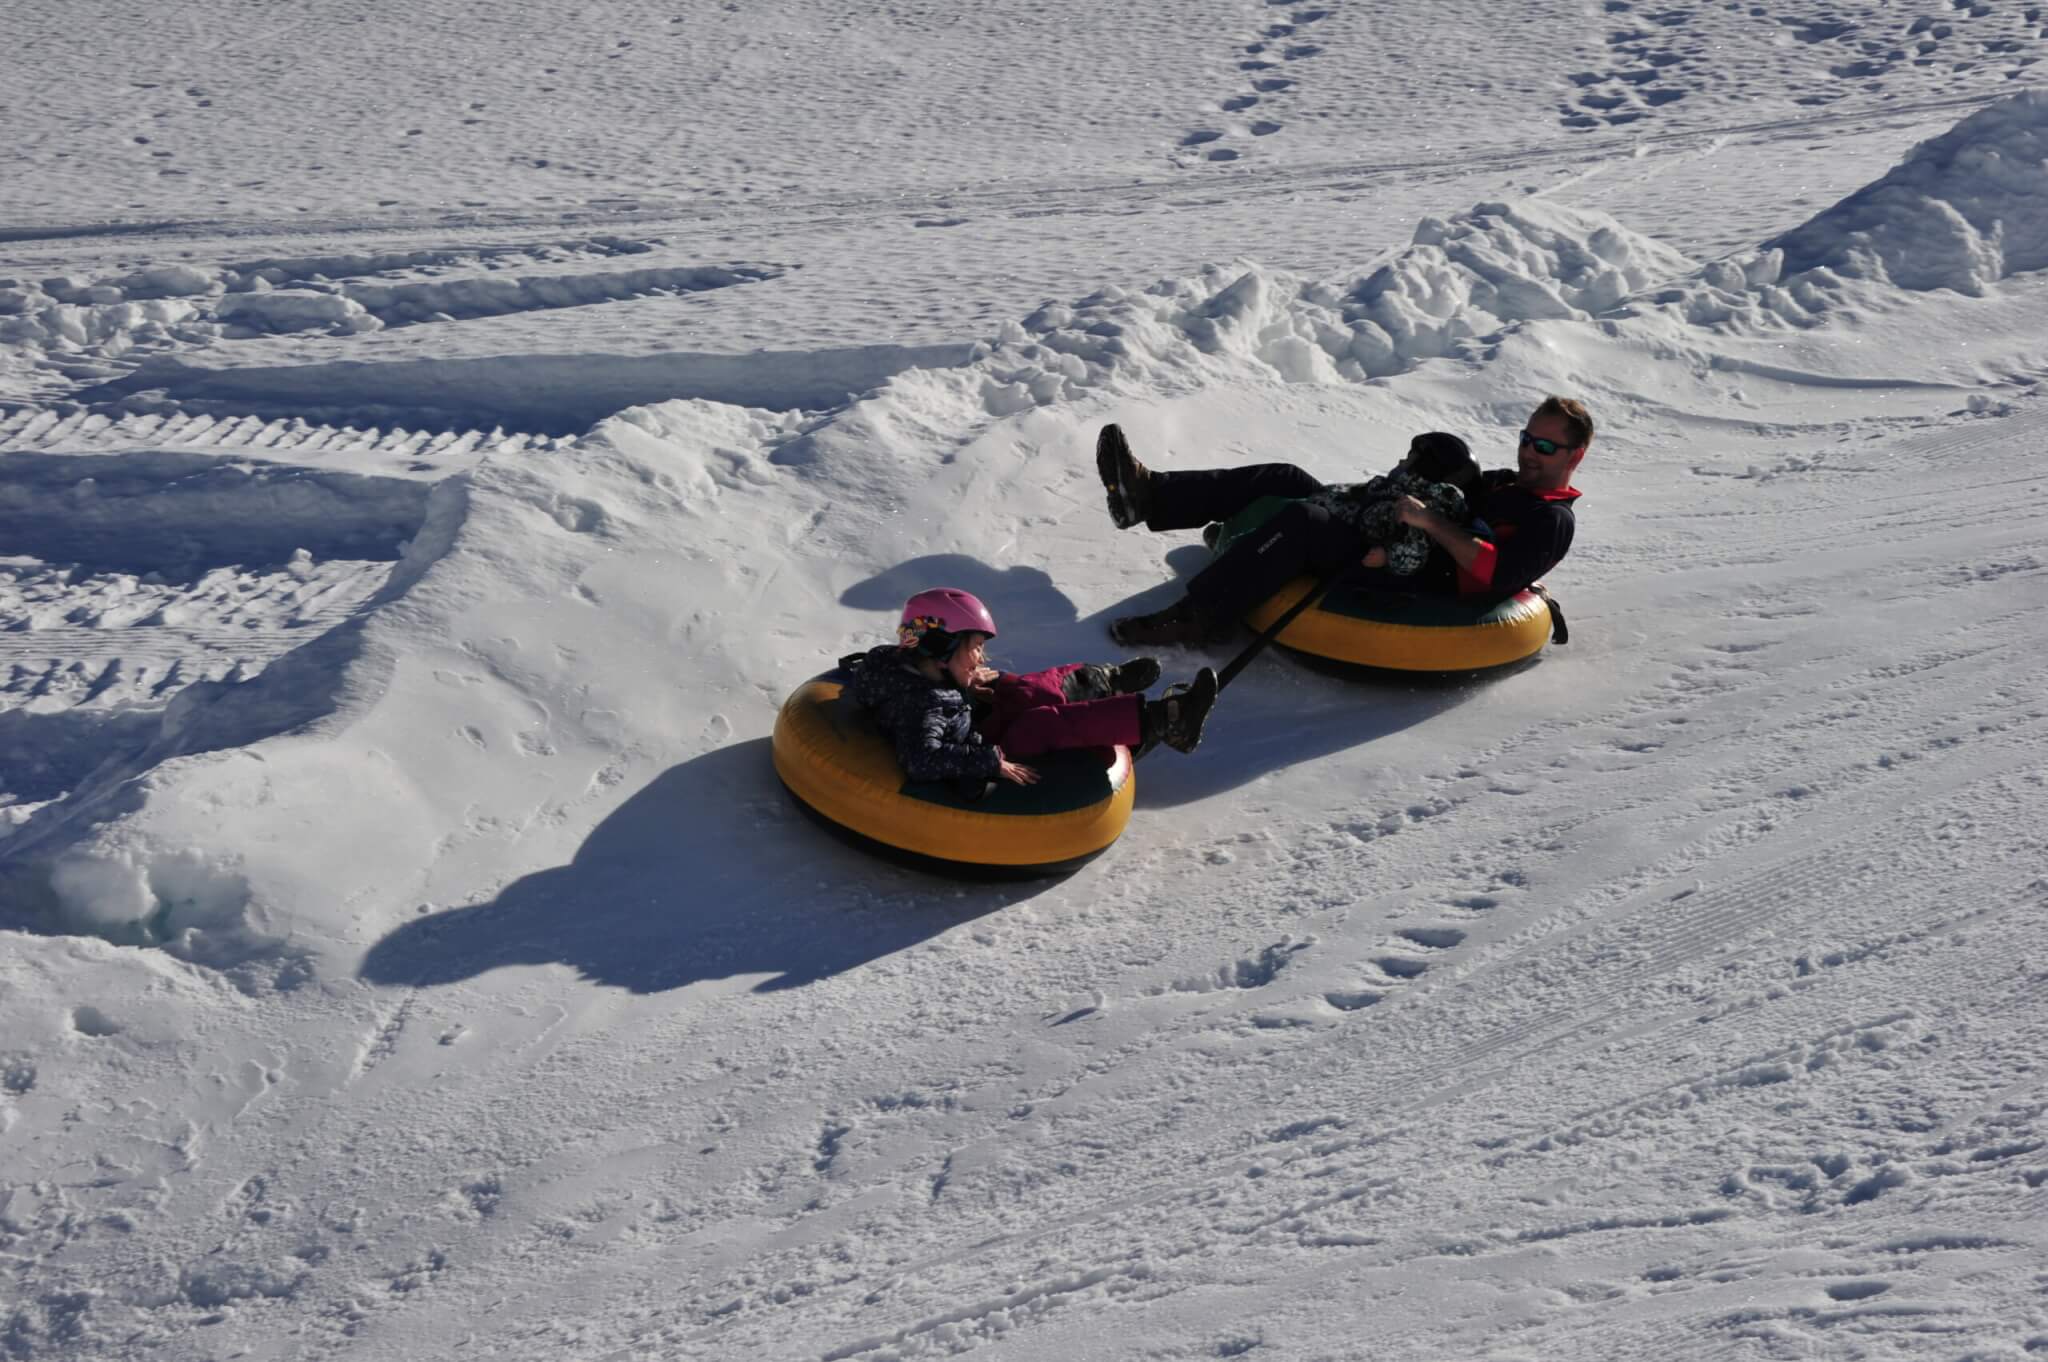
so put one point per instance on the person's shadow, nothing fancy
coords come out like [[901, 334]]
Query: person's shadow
[[1283, 709], [1034, 618], [710, 872]]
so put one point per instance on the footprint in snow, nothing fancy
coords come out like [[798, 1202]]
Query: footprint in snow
[[90, 1021]]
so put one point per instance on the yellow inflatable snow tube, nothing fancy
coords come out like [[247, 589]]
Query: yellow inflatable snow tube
[[1364, 628], [1408, 634], [840, 767]]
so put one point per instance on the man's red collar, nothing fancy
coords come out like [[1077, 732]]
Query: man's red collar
[[1561, 494]]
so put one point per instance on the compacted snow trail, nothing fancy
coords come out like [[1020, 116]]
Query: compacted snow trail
[[1749, 906], [422, 479]]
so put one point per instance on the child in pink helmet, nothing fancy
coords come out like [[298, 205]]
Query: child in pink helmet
[[953, 717]]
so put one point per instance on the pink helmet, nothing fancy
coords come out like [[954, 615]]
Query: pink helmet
[[933, 620]]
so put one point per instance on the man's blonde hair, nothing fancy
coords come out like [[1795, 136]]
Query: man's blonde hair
[[1573, 413]]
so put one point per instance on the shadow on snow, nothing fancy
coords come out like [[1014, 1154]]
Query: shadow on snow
[[1034, 618], [708, 873], [1282, 710]]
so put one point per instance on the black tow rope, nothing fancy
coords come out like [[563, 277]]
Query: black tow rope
[[1274, 630]]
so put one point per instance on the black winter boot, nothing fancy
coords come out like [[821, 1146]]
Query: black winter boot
[[1177, 719], [1100, 680], [1134, 676], [1124, 479], [1181, 622]]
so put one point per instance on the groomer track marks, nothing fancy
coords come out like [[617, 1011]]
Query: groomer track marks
[[89, 327]]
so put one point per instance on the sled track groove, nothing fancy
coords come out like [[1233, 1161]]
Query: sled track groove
[[1904, 1231], [2015, 901], [993, 196], [1712, 921], [86, 432], [151, 643]]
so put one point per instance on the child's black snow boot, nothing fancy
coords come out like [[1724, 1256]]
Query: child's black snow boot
[[1177, 718], [1100, 680], [1135, 676]]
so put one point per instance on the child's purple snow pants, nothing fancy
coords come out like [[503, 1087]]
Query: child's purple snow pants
[[1033, 715]]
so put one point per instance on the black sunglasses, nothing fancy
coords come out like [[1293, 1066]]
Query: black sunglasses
[[1544, 447]]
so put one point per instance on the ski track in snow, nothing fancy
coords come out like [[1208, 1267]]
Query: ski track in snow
[[1632, 945], [1688, 1002], [1633, 961]]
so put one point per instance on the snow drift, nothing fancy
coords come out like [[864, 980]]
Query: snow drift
[[1457, 286], [1961, 212]]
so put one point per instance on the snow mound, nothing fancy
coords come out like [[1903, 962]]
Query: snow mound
[[1961, 211], [1460, 283], [1484, 270]]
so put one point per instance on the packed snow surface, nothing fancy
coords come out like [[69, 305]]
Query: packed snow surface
[[433, 443]]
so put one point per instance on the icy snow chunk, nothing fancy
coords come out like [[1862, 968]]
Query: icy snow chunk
[[171, 281], [97, 894], [282, 310], [1895, 236], [67, 288], [1005, 399], [214, 1284], [1464, 279], [1297, 359], [139, 894]]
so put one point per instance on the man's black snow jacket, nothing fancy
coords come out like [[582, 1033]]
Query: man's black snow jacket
[[1531, 533]]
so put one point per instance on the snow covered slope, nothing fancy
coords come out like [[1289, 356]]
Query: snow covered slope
[[406, 950]]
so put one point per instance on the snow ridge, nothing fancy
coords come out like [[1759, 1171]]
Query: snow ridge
[[1452, 292], [1961, 211]]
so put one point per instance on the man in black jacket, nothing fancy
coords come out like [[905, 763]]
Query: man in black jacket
[[1526, 529]]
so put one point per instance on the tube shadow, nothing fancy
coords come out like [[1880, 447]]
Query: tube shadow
[[1284, 709], [710, 872]]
